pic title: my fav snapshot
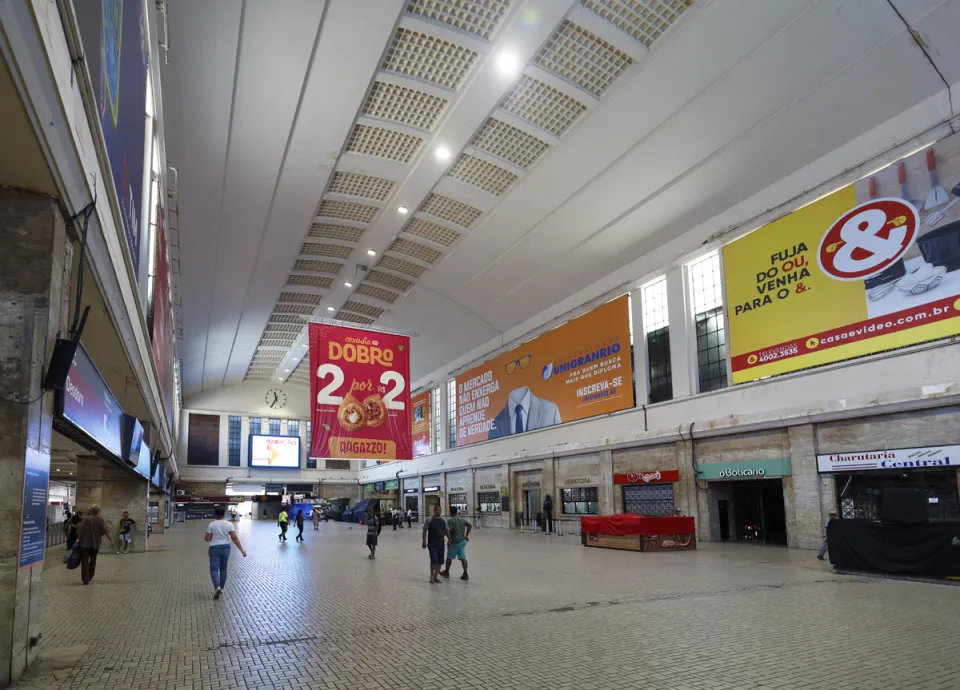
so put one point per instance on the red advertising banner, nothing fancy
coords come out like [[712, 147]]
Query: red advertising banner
[[360, 392], [163, 319], [652, 477], [420, 423]]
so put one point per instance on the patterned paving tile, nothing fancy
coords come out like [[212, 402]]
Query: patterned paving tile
[[539, 612]]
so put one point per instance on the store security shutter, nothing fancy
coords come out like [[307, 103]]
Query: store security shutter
[[649, 499]]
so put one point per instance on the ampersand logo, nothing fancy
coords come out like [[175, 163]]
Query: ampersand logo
[[868, 238]]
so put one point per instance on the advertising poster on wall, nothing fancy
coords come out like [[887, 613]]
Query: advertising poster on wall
[[113, 36], [163, 321], [578, 370], [420, 424], [33, 516], [871, 267], [360, 393]]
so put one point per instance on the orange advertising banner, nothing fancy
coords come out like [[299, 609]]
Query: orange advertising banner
[[420, 423], [578, 370]]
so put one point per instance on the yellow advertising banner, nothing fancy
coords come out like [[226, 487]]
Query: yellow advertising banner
[[871, 267], [578, 370]]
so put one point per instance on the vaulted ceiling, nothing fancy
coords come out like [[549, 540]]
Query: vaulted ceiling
[[454, 167]]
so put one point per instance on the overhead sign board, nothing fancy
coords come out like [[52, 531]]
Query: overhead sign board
[[930, 458]]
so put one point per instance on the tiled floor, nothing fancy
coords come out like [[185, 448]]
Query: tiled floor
[[539, 612]]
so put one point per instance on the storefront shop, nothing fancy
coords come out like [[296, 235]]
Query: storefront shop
[[648, 493], [862, 477], [411, 502], [580, 496], [387, 492], [432, 494], [746, 500]]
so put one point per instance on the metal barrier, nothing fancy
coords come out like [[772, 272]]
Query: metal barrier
[[561, 527], [55, 534]]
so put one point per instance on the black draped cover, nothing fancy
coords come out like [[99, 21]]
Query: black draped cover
[[925, 550]]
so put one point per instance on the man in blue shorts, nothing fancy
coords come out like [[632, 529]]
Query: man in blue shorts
[[458, 530], [434, 533]]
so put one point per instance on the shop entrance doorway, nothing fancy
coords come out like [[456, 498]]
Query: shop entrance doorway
[[759, 513], [411, 504], [429, 502], [531, 504]]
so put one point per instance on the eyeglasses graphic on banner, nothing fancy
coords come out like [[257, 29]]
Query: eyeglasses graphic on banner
[[521, 363]]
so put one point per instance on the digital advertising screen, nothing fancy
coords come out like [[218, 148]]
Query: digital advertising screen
[[275, 452]]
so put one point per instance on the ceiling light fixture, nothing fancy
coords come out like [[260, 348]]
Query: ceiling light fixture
[[281, 379], [371, 252], [286, 370], [328, 309], [348, 284], [442, 153], [403, 210], [508, 63], [295, 359]]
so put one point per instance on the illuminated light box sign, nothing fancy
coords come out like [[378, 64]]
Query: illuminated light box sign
[[275, 451]]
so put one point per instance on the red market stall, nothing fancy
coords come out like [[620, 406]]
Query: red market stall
[[638, 532]]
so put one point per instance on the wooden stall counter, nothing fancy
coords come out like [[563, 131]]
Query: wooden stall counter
[[638, 532]]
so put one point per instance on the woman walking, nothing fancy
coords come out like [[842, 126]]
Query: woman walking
[[219, 534], [315, 518], [299, 520]]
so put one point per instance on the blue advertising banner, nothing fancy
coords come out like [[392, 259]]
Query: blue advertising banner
[[33, 514], [88, 404], [113, 35]]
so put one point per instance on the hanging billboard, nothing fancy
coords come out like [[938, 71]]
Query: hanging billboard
[[420, 424], [360, 394], [871, 267], [578, 370], [113, 33], [163, 344]]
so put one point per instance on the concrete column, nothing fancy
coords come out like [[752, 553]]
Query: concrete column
[[611, 500], [804, 512], [34, 289], [115, 490], [443, 443], [682, 336], [641, 385]]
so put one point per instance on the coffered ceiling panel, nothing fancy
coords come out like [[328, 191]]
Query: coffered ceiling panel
[[456, 167]]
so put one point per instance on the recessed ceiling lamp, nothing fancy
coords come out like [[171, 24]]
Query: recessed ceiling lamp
[[403, 210], [286, 370], [508, 63], [295, 359], [280, 379], [348, 284], [371, 252], [328, 309], [442, 153]]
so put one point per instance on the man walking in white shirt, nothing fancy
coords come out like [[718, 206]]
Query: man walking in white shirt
[[219, 534]]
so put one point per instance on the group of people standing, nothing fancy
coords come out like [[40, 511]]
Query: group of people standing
[[444, 539]]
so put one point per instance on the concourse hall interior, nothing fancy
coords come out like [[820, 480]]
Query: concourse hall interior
[[567, 344]]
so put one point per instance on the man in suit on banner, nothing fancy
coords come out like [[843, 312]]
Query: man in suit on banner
[[523, 412]]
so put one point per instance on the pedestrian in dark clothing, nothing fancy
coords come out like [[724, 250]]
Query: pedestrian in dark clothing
[[548, 514], [91, 530], [435, 533], [72, 529], [299, 521], [373, 531]]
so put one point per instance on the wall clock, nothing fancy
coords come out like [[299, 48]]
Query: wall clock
[[275, 398]]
